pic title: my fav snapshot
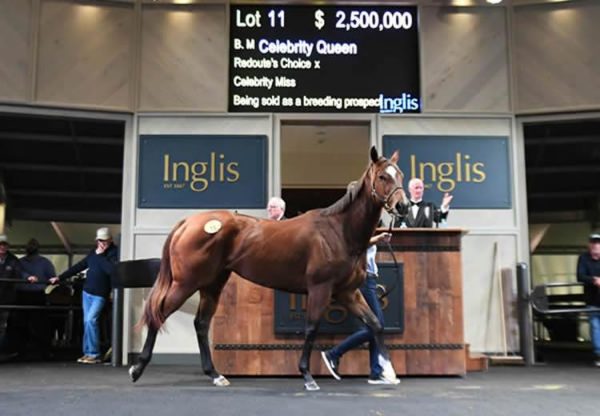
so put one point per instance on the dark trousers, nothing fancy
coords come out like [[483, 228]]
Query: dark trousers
[[32, 328], [365, 334]]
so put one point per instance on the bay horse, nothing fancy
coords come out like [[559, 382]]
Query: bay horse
[[321, 253]]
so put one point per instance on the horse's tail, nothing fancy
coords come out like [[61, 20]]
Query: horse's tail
[[153, 315]]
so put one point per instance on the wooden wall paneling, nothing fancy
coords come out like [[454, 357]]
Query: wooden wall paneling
[[183, 58], [557, 55], [433, 315], [84, 54], [15, 50], [136, 56], [464, 59], [456, 296], [417, 359]]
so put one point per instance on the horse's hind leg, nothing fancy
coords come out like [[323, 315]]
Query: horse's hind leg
[[175, 297], [136, 370], [209, 300], [318, 300]]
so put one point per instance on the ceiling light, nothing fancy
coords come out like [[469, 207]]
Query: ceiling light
[[494, 1]]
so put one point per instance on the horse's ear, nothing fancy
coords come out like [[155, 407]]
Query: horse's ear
[[374, 155], [395, 157]]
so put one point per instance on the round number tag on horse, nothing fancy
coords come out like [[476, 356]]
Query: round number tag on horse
[[212, 226]]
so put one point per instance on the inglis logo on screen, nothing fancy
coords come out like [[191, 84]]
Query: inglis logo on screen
[[398, 104], [198, 175]]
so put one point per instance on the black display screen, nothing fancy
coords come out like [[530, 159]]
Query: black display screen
[[305, 59]]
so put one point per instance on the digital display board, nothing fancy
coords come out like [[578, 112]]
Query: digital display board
[[335, 59]]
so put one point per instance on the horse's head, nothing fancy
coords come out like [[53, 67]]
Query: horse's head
[[386, 181]]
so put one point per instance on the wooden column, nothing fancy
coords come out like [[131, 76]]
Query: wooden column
[[244, 342]]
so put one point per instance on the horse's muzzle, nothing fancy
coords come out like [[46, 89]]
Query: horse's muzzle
[[393, 210], [389, 205]]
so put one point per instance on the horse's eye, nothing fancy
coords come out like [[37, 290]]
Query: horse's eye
[[382, 177]]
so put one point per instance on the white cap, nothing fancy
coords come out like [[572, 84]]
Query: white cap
[[3, 238], [103, 234]]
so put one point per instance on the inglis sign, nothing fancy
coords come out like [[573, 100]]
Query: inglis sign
[[197, 171], [474, 169]]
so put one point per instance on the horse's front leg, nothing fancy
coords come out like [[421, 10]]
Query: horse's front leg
[[356, 303], [318, 299]]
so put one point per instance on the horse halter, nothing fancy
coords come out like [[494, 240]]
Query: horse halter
[[386, 199]]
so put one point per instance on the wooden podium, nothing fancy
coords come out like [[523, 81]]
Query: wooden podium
[[432, 342]]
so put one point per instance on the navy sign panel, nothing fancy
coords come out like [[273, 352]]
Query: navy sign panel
[[290, 308], [474, 169], [202, 171]]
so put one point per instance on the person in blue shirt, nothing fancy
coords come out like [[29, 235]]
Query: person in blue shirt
[[100, 264], [381, 372], [588, 273]]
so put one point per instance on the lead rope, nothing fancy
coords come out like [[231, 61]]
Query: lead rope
[[389, 247]]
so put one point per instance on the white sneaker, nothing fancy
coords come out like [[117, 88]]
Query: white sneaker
[[387, 369], [382, 379]]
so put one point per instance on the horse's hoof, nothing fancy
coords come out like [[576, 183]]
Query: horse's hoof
[[311, 386], [134, 373], [221, 381]]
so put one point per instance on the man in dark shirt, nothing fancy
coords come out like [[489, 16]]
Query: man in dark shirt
[[100, 264], [39, 270], [421, 214], [588, 272], [10, 269], [36, 328]]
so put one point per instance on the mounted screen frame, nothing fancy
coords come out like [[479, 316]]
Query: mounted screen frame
[[341, 41]]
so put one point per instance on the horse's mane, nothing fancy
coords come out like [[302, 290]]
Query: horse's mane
[[344, 202]]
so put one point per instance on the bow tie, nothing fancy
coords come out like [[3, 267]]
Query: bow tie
[[419, 204]]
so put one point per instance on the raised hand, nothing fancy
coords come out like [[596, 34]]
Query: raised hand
[[446, 200]]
